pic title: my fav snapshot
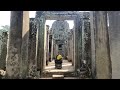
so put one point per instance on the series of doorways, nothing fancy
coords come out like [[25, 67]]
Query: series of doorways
[[52, 51], [80, 34]]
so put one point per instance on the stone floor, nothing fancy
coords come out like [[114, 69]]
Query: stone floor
[[64, 78], [66, 67]]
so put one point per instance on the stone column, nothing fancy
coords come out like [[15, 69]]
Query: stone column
[[47, 46], [86, 38], [52, 47], [103, 62], [78, 45], [24, 47], [32, 49], [114, 37], [92, 27], [14, 45], [68, 50], [48, 54], [17, 45], [3, 50], [72, 48], [40, 46]]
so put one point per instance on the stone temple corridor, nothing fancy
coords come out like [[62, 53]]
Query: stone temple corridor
[[90, 50]]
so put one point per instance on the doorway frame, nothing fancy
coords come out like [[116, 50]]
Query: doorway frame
[[58, 15]]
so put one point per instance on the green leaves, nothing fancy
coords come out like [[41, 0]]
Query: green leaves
[[5, 28]]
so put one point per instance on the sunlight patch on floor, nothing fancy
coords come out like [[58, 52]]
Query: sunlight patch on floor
[[50, 67], [66, 67]]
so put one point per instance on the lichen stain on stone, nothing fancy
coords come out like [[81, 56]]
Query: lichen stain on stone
[[33, 72], [13, 62]]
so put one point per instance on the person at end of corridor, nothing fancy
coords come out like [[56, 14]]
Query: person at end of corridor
[[58, 61]]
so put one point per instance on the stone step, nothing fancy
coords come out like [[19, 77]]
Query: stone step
[[64, 78], [66, 74], [57, 76]]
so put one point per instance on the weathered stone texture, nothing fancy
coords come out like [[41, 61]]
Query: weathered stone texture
[[60, 29], [17, 54], [32, 73], [114, 37], [70, 45], [40, 44], [3, 49], [92, 27], [78, 43], [103, 62], [14, 45], [86, 39]]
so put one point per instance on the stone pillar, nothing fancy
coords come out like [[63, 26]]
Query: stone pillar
[[92, 26], [55, 50], [78, 45], [69, 48], [72, 48], [114, 37], [83, 46], [86, 39], [3, 49], [47, 45], [52, 49], [24, 47], [14, 45], [40, 46], [17, 52], [32, 49], [103, 62]]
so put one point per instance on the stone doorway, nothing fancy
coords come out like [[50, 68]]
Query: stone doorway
[[63, 44], [43, 56]]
